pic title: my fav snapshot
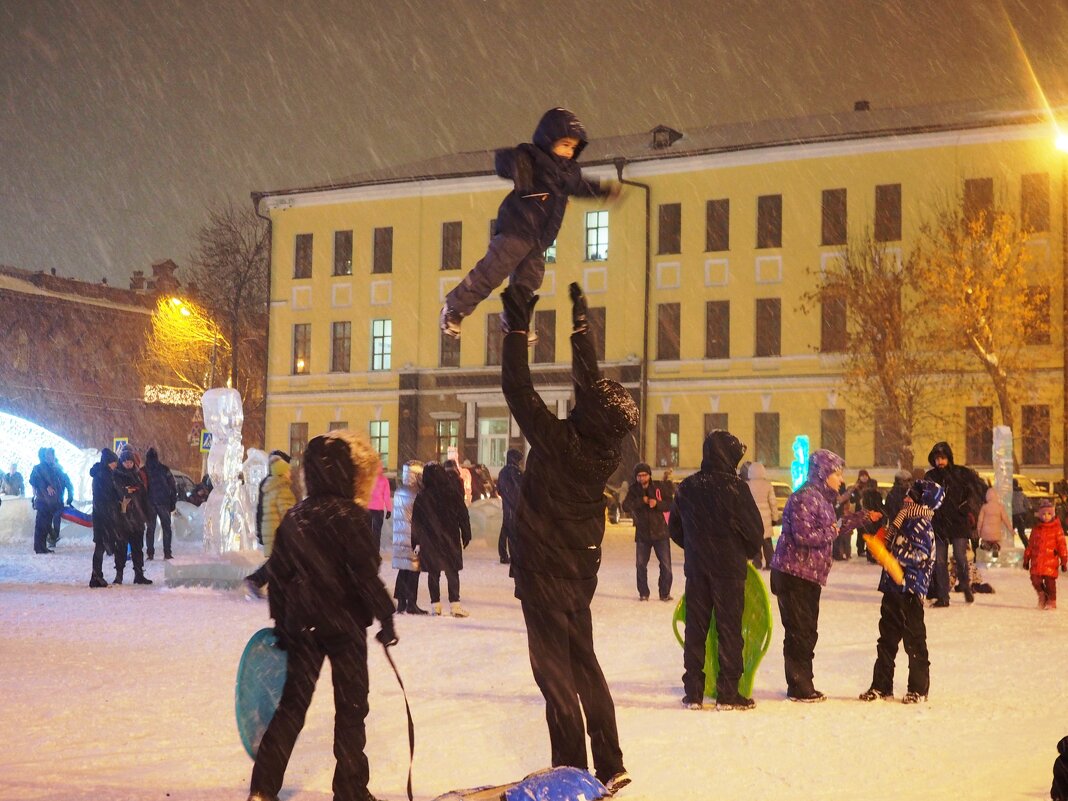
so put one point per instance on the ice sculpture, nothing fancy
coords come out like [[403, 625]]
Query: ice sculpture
[[799, 466], [254, 470], [225, 521], [1003, 469]]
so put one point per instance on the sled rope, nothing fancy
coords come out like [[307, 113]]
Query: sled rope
[[411, 723]]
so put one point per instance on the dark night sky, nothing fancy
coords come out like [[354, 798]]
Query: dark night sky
[[121, 122]]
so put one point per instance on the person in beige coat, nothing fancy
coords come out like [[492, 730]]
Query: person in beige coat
[[764, 495], [992, 524]]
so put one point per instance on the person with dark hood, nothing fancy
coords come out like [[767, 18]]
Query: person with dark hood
[[1058, 791], [802, 562], [106, 510], [47, 498], [718, 526], [66, 492], [955, 519], [560, 523], [162, 501], [405, 560], [132, 517], [325, 592], [441, 529], [545, 173], [645, 504], [508, 482]]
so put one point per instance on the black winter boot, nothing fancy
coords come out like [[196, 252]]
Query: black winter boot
[[118, 577], [139, 578], [97, 581]]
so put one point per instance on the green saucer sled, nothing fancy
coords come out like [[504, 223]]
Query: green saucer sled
[[756, 634], [261, 674]]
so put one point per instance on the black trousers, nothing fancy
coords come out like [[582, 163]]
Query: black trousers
[[406, 590], [163, 512], [767, 550], [42, 529], [504, 542], [569, 676], [901, 620], [726, 597], [378, 519], [662, 549], [799, 611], [452, 581], [348, 667], [134, 535], [98, 559]]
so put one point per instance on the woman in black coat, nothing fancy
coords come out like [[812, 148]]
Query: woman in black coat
[[106, 510], [441, 529]]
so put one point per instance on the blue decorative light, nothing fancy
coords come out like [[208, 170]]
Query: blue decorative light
[[799, 466]]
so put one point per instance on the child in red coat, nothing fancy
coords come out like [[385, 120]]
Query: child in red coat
[[1045, 550]]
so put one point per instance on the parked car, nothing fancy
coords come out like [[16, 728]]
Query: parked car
[[1032, 492], [184, 483], [782, 492]]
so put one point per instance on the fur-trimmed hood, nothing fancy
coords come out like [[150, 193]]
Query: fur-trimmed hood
[[341, 463]]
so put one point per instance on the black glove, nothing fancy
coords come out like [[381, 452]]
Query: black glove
[[466, 542], [518, 309], [280, 640], [1064, 568], [389, 514], [580, 324], [387, 635]]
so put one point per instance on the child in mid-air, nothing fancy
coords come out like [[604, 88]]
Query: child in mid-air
[[545, 174], [1045, 549], [910, 540]]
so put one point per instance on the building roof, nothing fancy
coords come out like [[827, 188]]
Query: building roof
[[663, 142]]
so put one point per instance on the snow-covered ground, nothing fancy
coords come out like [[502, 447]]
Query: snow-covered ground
[[127, 693]]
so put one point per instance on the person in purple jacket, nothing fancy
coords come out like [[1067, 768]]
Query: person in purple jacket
[[801, 563]]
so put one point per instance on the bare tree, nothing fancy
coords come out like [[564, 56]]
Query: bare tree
[[185, 343], [887, 365], [982, 294]]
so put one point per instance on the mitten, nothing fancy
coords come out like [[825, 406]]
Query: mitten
[[1064, 568], [387, 635], [518, 309], [1026, 564], [281, 642], [580, 323]]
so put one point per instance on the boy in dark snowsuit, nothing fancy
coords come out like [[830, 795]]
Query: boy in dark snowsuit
[[545, 173], [559, 528], [910, 540], [325, 591], [717, 523]]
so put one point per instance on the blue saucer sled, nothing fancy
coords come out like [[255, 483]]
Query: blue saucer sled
[[756, 634], [261, 675]]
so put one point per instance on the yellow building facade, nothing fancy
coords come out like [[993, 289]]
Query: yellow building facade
[[694, 274]]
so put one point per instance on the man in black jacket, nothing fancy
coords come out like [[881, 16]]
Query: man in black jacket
[[559, 529], [162, 501], [646, 506], [717, 523], [954, 520], [508, 482]]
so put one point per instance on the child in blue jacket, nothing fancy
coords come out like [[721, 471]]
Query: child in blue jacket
[[910, 540]]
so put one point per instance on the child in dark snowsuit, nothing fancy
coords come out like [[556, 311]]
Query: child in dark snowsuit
[[1045, 551], [325, 591], [545, 174], [910, 540]]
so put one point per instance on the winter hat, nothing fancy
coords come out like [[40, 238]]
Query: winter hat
[[927, 493], [1045, 503], [822, 462], [127, 453], [642, 467], [606, 411], [107, 456]]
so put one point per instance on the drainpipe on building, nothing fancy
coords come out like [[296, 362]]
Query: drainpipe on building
[[256, 198], [643, 392]]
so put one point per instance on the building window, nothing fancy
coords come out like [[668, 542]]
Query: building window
[[342, 252], [550, 253], [718, 225], [301, 348], [1038, 299], [833, 227], [378, 431], [1035, 421], [381, 344], [717, 329], [596, 235], [715, 421], [979, 201], [337, 425], [888, 440], [768, 327], [383, 256], [833, 324], [451, 239], [769, 221], [1034, 201], [598, 329], [668, 323], [667, 440], [494, 340], [302, 258], [545, 347], [670, 228], [448, 436], [298, 439], [341, 347], [833, 430], [766, 435], [449, 351], [888, 213], [979, 434]]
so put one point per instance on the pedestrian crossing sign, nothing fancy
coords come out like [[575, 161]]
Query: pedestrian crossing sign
[[205, 440], [118, 443]]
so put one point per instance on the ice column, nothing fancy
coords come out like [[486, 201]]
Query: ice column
[[1003, 474], [225, 522], [254, 470]]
